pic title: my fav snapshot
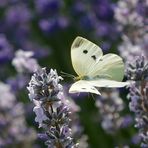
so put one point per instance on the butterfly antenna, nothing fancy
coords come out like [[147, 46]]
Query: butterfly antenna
[[64, 74]]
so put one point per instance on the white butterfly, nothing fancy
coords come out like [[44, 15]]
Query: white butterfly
[[95, 69]]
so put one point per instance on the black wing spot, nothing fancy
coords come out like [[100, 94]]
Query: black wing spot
[[101, 59], [94, 57], [78, 43], [83, 88], [85, 51]]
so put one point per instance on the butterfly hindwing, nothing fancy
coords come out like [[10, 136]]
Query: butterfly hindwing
[[83, 86], [84, 55], [107, 83], [110, 65], [90, 85]]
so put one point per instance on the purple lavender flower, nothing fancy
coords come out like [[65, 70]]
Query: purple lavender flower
[[48, 7], [6, 50], [25, 65], [7, 3], [103, 10], [109, 105], [53, 25], [44, 86], [18, 82], [40, 115], [16, 24], [78, 8], [3, 3], [129, 50], [132, 24], [138, 96], [126, 13], [51, 113], [5, 90], [138, 71], [50, 16], [39, 51], [87, 22], [17, 14], [77, 129], [127, 121], [13, 127], [97, 18], [136, 139], [23, 62]]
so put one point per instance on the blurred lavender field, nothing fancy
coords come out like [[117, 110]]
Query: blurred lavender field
[[36, 110]]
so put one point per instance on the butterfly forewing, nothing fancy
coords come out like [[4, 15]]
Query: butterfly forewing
[[110, 66], [84, 55]]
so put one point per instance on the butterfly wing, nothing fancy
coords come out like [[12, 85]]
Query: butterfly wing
[[110, 66], [84, 55], [83, 86], [90, 86], [107, 83], [102, 71]]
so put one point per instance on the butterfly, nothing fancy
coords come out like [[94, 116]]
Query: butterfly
[[94, 69]]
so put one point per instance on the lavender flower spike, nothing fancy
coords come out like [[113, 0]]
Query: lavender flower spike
[[14, 131], [24, 61], [52, 113], [110, 105], [138, 71]]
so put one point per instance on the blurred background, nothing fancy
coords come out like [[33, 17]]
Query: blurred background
[[37, 33]]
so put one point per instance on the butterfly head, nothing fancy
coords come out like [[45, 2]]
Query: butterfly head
[[75, 78]]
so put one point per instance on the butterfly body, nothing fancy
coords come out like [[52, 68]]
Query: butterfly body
[[92, 78], [93, 68], [82, 78]]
